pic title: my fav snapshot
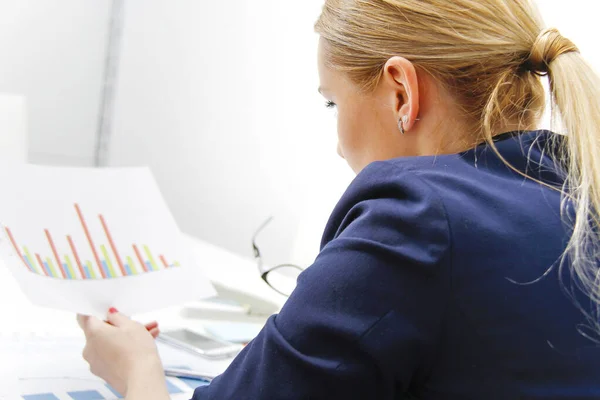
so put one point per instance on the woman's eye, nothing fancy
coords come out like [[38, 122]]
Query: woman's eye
[[330, 104]]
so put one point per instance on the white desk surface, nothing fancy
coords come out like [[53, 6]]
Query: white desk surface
[[20, 317]]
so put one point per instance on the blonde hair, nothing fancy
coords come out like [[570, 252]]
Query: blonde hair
[[490, 54]]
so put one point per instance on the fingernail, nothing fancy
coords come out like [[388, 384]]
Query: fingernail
[[113, 310]]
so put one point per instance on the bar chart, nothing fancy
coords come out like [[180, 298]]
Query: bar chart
[[106, 261]]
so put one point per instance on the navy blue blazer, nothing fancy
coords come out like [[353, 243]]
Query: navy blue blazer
[[418, 291]]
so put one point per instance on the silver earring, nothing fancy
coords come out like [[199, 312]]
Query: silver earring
[[401, 122]]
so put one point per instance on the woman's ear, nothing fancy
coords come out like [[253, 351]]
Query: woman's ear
[[401, 76]]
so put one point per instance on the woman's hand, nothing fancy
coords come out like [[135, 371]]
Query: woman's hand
[[123, 353]]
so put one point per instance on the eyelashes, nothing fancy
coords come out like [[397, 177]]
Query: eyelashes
[[330, 104]]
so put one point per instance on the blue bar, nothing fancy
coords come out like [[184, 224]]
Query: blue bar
[[66, 268], [87, 395], [29, 263], [114, 391], [105, 268], [172, 389], [87, 272], [149, 266], [47, 268], [128, 270], [43, 396]]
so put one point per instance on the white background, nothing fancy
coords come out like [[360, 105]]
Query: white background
[[219, 98], [52, 51]]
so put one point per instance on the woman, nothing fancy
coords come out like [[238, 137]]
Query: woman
[[462, 262]]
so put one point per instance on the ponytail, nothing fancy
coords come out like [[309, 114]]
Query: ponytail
[[575, 103], [575, 92]]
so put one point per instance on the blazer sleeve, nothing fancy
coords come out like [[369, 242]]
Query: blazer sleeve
[[364, 320]]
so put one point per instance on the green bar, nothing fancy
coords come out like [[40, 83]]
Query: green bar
[[151, 259], [33, 261], [132, 266], [177, 264], [70, 266], [52, 270], [91, 269], [111, 270]]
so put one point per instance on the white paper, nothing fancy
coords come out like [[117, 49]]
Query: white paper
[[9, 388], [13, 125], [47, 210], [32, 360]]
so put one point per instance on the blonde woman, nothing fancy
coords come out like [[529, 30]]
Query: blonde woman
[[462, 262]]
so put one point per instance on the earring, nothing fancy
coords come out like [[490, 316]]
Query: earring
[[401, 122]]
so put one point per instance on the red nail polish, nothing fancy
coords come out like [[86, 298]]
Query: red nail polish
[[113, 310]]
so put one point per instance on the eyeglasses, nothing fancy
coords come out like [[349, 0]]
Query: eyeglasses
[[281, 278]]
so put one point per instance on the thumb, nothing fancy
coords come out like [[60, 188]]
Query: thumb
[[117, 319]]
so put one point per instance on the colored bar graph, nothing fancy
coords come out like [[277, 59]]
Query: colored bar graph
[[43, 396], [140, 259], [108, 263], [14, 243], [86, 395], [51, 267], [69, 276], [77, 260], [70, 269], [90, 270], [151, 259], [105, 270], [89, 238], [164, 261], [112, 244], [132, 265], [31, 261], [28, 261], [71, 266], [58, 262], [42, 265], [86, 272]]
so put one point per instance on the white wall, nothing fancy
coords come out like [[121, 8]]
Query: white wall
[[219, 98], [53, 53]]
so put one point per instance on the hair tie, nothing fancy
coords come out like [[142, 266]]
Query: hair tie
[[548, 46]]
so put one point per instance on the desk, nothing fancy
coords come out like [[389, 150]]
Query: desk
[[231, 273]]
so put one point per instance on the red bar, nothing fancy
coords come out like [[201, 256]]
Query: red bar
[[19, 252], [81, 270], [112, 245], [60, 266], [139, 256], [91, 242], [39, 259], [165, 263]]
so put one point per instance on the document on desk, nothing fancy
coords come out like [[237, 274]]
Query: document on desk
[[9, 388], [32, 361], [85, 240]]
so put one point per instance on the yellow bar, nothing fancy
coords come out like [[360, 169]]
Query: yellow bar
[[177, 264], [52, 270], [88, 264], [33, 261], [151, 259], [132, 266], [70, 266], [111, 270]]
